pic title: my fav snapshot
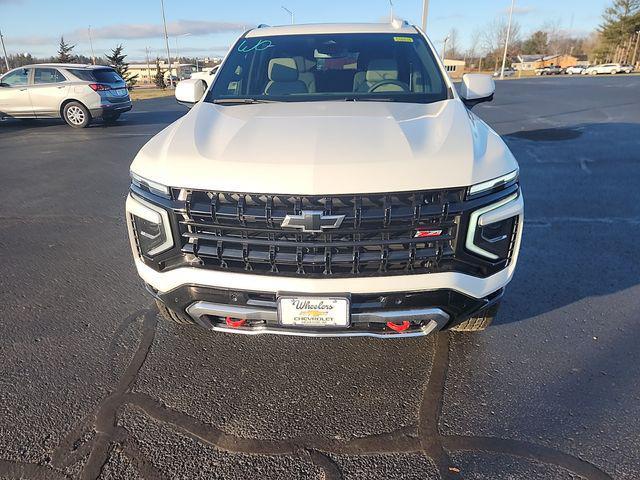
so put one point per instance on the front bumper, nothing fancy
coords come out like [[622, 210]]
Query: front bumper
[[430, 301], [423, 312]]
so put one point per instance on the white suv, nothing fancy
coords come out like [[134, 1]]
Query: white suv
[[330, 182], [76, 93], [606, 68]]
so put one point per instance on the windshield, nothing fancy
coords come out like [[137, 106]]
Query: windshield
[[356, 66]]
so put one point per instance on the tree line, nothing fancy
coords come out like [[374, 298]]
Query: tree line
[[614, 40]]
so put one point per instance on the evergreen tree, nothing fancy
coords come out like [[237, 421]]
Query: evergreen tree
[[64, 52], [536, 43], [620, 21], [158, 79], [116, 60]]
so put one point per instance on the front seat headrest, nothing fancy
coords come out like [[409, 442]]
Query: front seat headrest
[[283, 70]]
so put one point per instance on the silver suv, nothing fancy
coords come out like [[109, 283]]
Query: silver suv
[[76, 93]]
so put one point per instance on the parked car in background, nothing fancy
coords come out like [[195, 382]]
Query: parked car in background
[[575, 70], [550, 70], [76, 93], [206, 76], [508, 72], [605, 68], [627, 68]]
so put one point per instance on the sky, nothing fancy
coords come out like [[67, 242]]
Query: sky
[[206, 28]]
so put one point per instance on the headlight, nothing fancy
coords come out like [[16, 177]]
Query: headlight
[[151, 186], [150, 225], [491, 228], [494, 184]]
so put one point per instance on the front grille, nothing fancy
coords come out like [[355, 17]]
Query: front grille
[[242, 232]]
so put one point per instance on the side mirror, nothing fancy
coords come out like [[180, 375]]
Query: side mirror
[[4, 84], [476, 88], [189, 92]]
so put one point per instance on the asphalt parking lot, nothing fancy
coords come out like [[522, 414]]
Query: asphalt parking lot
[[94, 385]]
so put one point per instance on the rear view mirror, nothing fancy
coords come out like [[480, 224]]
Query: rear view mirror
[[189, 92], [476, 88]]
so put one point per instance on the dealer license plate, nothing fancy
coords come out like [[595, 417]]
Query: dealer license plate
[[306, 311]]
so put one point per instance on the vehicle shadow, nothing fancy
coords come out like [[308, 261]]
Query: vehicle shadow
[[582, 208]]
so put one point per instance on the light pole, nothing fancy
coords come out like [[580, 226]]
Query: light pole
[[6, 58], [506, 43], [178, 49], [178, 54], [444, 46], [293, 17], [93, 55], [146, 50], [166, 41], [425, 14], [391, 11]]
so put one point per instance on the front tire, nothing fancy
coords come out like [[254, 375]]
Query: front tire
[[76, 115], [172, 315], [479, 322]]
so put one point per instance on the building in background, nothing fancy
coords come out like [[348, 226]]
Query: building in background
[[146, 73], [527, 62], [455, 68], [532, 62]]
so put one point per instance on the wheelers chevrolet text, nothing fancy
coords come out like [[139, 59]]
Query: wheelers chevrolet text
[[330, 181]]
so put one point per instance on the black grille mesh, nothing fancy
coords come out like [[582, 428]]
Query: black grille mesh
[[242, 232]]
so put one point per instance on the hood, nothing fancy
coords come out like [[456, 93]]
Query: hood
[[325, 148]]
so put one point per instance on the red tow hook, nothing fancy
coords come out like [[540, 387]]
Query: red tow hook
[[399, 328], [234, 323]]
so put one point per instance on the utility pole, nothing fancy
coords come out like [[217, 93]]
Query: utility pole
[[506, 43], [6, 58], [146, 50], [425, 14], [391, 11], [166, 41], [293, 17], [93, 55]]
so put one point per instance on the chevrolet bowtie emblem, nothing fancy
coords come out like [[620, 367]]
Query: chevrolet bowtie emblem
[[312, 221]]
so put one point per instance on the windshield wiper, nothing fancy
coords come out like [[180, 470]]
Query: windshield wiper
[[240, 101], [370, 99]]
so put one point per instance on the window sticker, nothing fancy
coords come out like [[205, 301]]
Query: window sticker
[[246, 47], [403, 39]]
